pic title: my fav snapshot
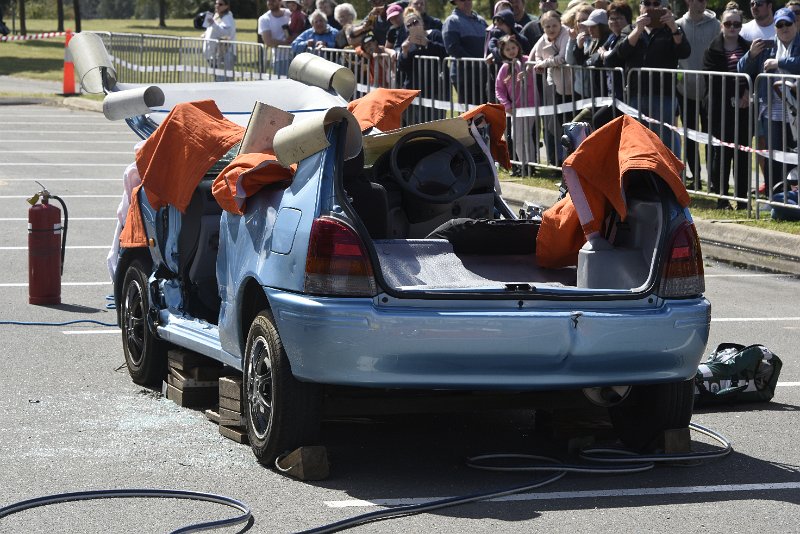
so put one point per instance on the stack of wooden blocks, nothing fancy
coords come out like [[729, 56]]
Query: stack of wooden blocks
[[231, 422], [192, 380]]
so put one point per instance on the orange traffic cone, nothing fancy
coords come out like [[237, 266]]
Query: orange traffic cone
[[69, 69]]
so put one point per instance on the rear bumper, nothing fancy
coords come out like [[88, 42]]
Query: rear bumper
[[357, 342]]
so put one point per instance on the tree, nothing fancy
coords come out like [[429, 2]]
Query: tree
[[162, 13], [60, 15], [76, 8], [22, 27]]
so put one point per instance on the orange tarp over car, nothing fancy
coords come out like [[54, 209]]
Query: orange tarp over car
[[174, 159], [596, 175]]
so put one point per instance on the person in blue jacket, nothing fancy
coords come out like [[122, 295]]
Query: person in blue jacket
[[464, 34], [319, 35], [779, 57]]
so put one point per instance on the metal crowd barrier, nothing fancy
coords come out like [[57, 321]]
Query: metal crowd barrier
[[715, 137], [777, 120], [142, 58]]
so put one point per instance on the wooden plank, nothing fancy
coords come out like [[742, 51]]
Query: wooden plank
[[236, 434], [305, 463], [184, 386], [186, 380], [192, 398], [231, 387], [230, 404], [183, 359], [212, 415], [230, 418]]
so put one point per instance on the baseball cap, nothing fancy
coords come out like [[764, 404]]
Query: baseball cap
[[786, 14], [598, 16], [393, 10]]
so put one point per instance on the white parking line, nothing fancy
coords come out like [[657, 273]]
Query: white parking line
[[48, 180], [32, 164], [72, 219], [25, 284], [127, 152], [590, 494], [70, 247], [117, 196], [788, 384], [751, 319], [748, 275], [100, 122], [89, 332], [70, 132], [74, 141]]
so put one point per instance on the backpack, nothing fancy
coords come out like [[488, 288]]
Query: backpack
[[736, 373]]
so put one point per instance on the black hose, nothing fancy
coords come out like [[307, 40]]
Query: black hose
[[627, 462], [130, 493], [63, 232]]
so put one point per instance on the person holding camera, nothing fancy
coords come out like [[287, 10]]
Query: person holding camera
[[273, 27], [654, 40]]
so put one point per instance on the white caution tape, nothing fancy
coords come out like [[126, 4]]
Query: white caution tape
[[32, 36]]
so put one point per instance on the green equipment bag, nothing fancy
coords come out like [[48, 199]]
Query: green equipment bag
[[735, 373]]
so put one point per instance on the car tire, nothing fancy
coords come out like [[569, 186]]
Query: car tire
[[145, 355], [641, 419], [282, 413]]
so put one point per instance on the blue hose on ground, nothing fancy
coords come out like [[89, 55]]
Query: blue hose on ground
[[130, 493]]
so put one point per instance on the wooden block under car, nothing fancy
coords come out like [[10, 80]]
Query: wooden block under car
[[305, 463], [187, 381], [212, 415], [183, 359], [193, 365], [231, 387], [230, 418], [234, 405], [238, 435], [192, 398]]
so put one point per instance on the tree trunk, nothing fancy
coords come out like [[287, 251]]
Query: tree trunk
[[60, 15], [76, 7], [162, 13], [23, 30]]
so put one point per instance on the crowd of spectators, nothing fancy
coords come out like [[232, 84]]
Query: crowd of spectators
[[494, 60]]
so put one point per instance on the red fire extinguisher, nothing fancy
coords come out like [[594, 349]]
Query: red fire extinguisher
[[46, 246]]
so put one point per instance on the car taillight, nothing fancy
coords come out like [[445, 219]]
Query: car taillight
[[337, 262], [683, 275]]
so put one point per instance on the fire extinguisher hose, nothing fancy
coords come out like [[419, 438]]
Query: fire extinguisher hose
[[63, 231]]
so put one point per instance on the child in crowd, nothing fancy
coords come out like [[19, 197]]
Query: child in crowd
[[514, 89]]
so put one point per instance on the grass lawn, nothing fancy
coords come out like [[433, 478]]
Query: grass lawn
[[44, 59]]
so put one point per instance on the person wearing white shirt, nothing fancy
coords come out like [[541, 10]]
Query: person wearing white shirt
[[220, 27], [273, 27], [761, 27]]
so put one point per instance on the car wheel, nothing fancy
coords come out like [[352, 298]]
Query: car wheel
[[282, 413], [145, 355], [641, 419]]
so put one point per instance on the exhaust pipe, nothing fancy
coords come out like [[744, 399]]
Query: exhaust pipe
[[607, 396]]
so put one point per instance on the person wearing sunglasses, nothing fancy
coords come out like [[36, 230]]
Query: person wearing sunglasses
[[761, 27], [781, 56], [654, 40], [700, 26], [729, 107]]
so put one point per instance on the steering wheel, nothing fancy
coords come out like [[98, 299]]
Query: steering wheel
[[441, 177]]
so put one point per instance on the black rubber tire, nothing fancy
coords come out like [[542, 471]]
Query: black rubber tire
[[641, 419], [145, 355], [282, 413]]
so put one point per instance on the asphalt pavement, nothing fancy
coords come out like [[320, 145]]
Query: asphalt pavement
[[72, 420], [726, 240]]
